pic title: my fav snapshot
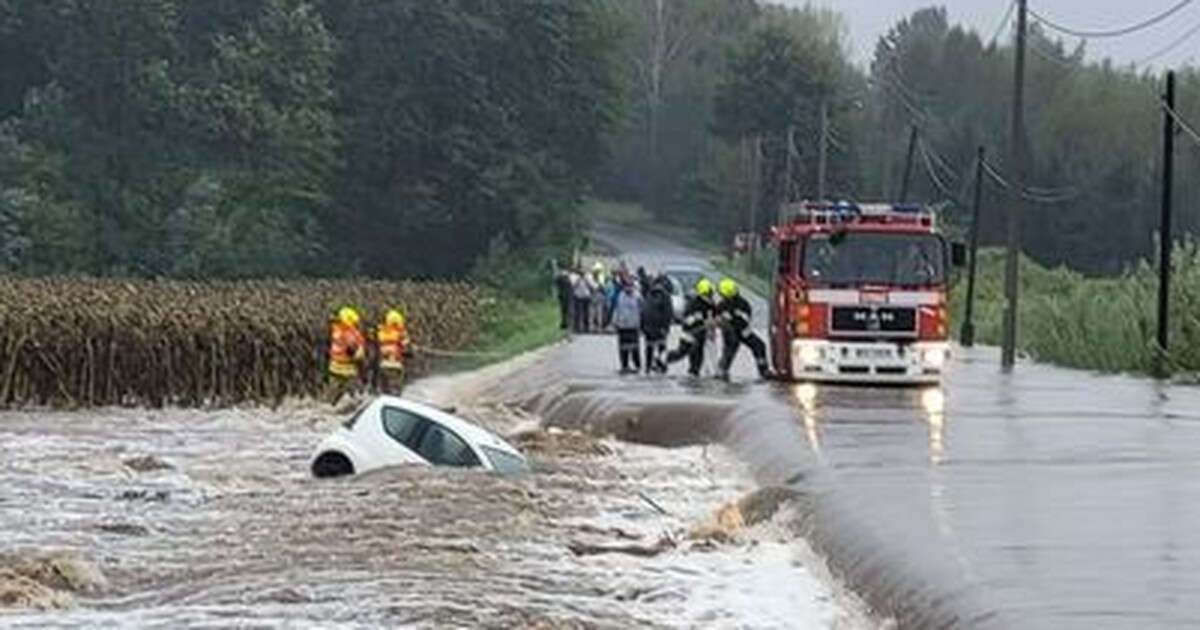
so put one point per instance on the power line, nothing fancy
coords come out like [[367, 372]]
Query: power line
[[1172, 46], [930, 156], [1004, 23], [1187, 127], [1047, 196], [940, 160], [836, 142], [1118, 32], [933, 177], [917, 113], [1053, 58], [896, 80]]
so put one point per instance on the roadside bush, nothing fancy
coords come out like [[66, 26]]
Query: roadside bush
[[1105, 324]]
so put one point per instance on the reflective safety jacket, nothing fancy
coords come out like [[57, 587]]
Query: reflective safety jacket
[[393, 340], [735, 313], [696, 315], [346, 349]]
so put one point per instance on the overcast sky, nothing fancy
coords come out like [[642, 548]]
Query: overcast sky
[[869, 19]]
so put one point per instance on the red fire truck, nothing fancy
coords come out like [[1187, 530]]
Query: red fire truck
[[860, 293]]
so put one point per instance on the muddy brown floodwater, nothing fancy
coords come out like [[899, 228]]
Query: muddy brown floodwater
[[174, 518]]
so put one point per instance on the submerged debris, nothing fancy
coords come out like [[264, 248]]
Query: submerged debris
[[754, 508], [157, 496], [124, 529], [147, 463], [664, 543], [560, 443], [46, 581], [18, 591]]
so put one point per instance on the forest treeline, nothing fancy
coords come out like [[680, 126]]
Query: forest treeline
[[725, 124], [400, 138], [234, 138]]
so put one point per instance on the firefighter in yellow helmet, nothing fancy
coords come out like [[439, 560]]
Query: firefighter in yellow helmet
[[347, 350], [699, 311], [392, 336], [735, 318]]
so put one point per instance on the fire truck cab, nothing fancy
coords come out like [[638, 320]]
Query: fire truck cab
[[860, 293]]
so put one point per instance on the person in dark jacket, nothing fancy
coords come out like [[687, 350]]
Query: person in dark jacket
[[734, 315], [645, 282], [699, 312], [581, 299], [563, 290], [656, 324]]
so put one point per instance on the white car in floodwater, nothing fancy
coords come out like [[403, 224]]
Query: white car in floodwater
[[391, 431]]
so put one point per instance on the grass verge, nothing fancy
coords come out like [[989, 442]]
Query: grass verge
[[510, 327]]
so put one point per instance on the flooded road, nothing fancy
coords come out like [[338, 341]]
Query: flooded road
[[1048, 499]]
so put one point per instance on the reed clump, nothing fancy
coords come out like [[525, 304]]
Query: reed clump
[[1105, 324]]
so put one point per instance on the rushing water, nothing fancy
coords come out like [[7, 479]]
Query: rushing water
[[209, 518]]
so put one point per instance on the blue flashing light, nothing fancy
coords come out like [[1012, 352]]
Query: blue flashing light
[[908, 208], [845, 207]]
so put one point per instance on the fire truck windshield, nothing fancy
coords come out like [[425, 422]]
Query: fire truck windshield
[[858, 258]]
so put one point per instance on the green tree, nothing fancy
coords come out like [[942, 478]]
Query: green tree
[[263, 130], [780, 75], [468, 125]]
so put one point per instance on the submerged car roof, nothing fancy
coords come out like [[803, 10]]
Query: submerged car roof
[[465, 429]]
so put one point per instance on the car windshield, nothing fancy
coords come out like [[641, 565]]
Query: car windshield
[[350, 422], [687, 279], [857, 258], [505, 463]]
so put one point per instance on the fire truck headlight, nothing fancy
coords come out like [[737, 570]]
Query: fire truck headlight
[[809, 354], [934, 358]]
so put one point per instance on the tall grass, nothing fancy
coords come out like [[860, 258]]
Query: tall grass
[[1106, 324]]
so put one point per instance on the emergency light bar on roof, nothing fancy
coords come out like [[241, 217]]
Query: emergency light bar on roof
[[834, 213]]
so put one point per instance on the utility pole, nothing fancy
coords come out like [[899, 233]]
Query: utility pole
[[823, 164], [968, 327], [908, 163], [747, 196], [1017, 150], [755, 185], [787, 181], [1164, 246]]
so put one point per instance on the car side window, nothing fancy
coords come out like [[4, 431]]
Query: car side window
[[403, 426], [441, 447]]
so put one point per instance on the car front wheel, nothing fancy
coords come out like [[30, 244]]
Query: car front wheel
[[332, 464]]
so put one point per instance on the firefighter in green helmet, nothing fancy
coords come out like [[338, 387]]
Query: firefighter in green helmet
[[735, 317], [697, 315]]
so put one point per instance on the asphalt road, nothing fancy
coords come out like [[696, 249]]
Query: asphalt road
[[1049, 498]]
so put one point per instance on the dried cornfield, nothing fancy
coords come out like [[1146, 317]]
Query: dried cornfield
[[95, 342]]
